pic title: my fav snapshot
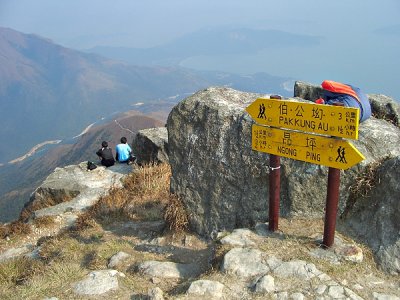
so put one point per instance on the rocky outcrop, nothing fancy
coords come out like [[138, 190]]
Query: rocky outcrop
[[374, 218], [64, 195], [384, 107], [307, 91], [224, 183], [151, 146], [74, 188]]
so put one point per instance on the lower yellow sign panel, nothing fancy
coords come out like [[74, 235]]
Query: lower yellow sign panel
[[326, 151]]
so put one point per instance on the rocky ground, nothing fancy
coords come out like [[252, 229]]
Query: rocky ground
[[145, 262], [141, 259]]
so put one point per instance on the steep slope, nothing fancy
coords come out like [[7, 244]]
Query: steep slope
[[18, 180]]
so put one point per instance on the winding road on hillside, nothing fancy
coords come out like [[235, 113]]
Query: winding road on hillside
[[122, 127], [37, 147], [33, 151]]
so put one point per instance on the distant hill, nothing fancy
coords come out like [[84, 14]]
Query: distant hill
[[18, 181], [216, 41], [48, 92]]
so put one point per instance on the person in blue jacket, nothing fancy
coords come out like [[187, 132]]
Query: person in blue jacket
[[124, 152]]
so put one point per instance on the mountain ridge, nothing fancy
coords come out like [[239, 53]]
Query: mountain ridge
[[209, 41], [55, 91]]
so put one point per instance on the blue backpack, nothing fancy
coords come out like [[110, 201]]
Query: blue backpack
[[350, 96]]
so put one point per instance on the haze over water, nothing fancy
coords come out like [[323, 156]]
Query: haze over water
[[360, 39]]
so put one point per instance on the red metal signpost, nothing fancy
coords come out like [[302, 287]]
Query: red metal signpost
[[274, 191], [274, 186], [332, 200]]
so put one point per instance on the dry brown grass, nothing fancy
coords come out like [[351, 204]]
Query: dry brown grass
[[18, 271], [94, 261], [144, 197], [363, 184], [44, 221], [175, 215], [47, 200], [15, 228], [20, 228], [4, 231], [389, 117]]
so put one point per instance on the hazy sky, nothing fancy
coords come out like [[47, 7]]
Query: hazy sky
[[151, 22], [361, 37]]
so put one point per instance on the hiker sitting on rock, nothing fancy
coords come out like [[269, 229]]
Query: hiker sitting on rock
[[106, 155], [124, 152]]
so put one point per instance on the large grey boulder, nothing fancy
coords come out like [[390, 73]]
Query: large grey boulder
[[307, 91], [384, 107], [223, 183], [151, 145], [374, 219]]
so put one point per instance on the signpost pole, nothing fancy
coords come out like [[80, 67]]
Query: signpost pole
[[274, 186], [332, 200], [274, 191]]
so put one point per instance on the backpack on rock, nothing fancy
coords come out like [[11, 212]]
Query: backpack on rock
[[347, 95], [91, 166]]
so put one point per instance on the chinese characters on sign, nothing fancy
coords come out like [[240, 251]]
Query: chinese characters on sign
[[311, 148], [321, 119]]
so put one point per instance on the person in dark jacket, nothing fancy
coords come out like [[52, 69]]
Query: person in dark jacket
[[106, 155]]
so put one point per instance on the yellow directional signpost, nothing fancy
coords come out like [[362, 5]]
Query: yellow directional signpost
[[329, 120], [286, 121], [316, 149]]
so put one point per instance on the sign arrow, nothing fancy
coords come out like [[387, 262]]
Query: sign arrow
[[328, 120], [316, 149]]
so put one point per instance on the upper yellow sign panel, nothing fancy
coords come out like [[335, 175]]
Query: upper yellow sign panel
[[328, 120]]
